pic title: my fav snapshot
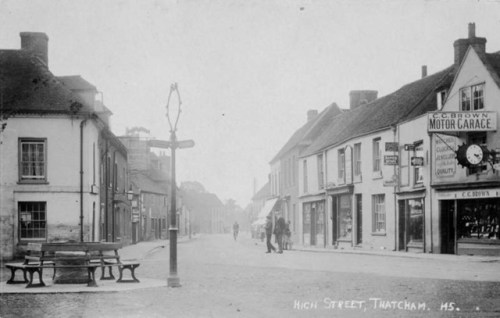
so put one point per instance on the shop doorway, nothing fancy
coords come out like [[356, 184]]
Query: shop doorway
[[359, 219], [447, 226], [402, 236], [334, 220]]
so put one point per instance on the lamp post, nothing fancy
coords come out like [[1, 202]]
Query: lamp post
[[173, 279]]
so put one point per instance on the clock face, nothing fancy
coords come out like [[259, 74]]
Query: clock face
[[474, 154]]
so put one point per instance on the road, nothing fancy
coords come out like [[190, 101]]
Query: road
[[221, 277]]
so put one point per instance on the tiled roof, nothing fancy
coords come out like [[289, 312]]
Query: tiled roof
[[309, 131], [492, 63], [29, 87], [76, 82], [145, 183], [410, 101], [263, 193]]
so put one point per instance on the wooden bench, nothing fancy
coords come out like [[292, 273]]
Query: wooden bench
[[90, 255], [22, 266]]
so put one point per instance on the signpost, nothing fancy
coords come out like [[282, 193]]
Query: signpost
[[417, 161]]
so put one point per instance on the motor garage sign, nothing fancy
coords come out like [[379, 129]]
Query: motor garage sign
[[461, 121]]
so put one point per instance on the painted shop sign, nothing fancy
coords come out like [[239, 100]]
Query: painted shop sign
[[391, 160], [392, 146], [469, 194], [461, 121], [445, 164]]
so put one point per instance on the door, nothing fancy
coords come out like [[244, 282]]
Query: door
[[447, 226], [359, 219], [401, 225], [334, 220]]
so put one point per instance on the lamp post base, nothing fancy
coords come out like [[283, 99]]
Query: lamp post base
[[173, 281]]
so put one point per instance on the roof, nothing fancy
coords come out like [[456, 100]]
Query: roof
[[410, 101], [146, 184], [309, 131], [76, 82], [492, 63], [29, 87], [263, 193]]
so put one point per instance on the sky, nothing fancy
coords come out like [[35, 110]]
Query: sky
[[247, 70]]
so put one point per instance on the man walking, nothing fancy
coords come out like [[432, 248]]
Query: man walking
[[269, 235], [279, 230]]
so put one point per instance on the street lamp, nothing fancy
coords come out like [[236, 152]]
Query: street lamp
[[173, 279]]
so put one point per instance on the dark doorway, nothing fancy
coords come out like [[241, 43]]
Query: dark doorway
[[359, 219], [314, 223], [334, 220], [402, 225], [447, 226]]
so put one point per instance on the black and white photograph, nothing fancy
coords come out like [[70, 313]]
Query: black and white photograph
[[249, 158]]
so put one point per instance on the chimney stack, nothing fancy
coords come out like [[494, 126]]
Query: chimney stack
[[461, 45], [36, 42], [311, 114], [424, 71], [361, 97]]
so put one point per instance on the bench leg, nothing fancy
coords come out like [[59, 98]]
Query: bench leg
[[13, 275], [103, 273], [130, 267], [91, 273], [31, 271]]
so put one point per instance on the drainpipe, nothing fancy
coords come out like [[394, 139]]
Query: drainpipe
[[430, 196], [395, 131], [82, 124]]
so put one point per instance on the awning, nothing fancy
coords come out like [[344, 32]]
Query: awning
[[264, 212]]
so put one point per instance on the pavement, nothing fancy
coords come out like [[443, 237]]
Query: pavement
[[143, 250]]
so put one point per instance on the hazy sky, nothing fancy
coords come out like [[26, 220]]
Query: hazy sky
[[247, 71]]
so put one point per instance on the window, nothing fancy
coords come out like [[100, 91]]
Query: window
[[304, 164], [472, 98], [321, 173], [293, 171], [341, 163], [32, 220], [418, 170], [32, 160], [376, 155], [378, 208], [357, 160], [478, 138]]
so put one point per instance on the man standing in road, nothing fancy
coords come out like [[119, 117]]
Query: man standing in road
[[269, 234], [279, 229], [236, 229]]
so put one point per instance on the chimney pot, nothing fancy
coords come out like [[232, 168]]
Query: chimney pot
[[472, 30], [36, 42], [424, 71]]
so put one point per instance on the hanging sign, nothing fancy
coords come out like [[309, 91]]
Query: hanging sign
[[417, 161], [391, 146]]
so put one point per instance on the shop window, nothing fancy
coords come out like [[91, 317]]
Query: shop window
[[378, 210], [307, 223], [478, 219], [345, 218], [472, 98], [32, 220], [416, 212], [32, 160]]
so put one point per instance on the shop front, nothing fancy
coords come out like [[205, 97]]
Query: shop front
[[470, 221], [314, 223], [342, 220], [411, 222]]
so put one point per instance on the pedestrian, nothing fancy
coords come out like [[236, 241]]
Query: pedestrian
[[269, 235], [287, 237], [236, 229], [279, 230]]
